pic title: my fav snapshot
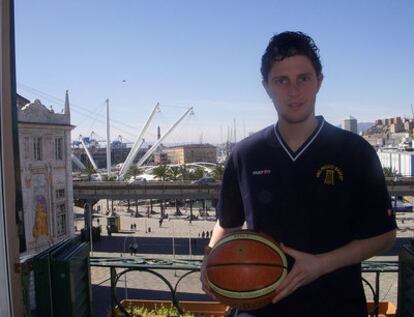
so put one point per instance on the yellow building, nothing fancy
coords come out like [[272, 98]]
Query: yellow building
[[183, 154]]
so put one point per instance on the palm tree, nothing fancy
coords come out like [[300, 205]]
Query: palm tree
[[185, 175], [218, 172], [173, 173], [197, 173], [89, 171], [389, 172], [160, 172], [133, 171]]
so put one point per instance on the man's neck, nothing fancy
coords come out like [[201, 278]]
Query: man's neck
[[296, 134]]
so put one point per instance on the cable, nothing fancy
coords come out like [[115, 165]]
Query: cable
[[75, 107]]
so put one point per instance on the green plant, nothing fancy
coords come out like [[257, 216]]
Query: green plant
[[162, 310]]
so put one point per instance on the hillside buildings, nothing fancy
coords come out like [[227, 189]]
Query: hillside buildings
[[391, 132], [46, 172]]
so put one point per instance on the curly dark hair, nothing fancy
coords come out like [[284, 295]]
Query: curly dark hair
[[289, 44]]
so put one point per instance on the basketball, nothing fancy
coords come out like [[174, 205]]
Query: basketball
[[244, 268]]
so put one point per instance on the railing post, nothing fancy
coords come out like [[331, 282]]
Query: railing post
[[113, 290]]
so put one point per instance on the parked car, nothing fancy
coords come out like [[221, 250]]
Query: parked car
[[204, 180], [137, 180], [401, 206]]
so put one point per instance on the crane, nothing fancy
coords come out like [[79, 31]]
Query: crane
[[88, 153], [137, 145], [155, 146]]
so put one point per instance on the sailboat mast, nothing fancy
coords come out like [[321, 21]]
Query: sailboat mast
[[108, 141]]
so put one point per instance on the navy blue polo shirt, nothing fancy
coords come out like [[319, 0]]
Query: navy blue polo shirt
[[326, 194]]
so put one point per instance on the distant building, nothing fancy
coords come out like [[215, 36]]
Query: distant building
[[191, 153], [46, 172], [402, 162], [409, 126], [397, 127], [351, 124], [118, 155], [161, 158]]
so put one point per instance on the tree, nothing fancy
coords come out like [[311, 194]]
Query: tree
[[389, 172], [197, 173], [89, 171], [218, 172], [160, 172], [173, 173], [133, 171], [185, 175]]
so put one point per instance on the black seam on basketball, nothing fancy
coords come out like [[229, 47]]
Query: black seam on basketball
[[245, 292], [243, 264]]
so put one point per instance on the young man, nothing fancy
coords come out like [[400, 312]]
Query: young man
[[317, 189]]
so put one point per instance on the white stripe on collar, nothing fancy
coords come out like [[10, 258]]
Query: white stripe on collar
[[294, 158]]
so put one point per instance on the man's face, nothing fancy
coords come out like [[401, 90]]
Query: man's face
[[292, 84]]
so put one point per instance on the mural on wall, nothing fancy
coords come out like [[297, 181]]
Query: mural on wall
[[40, 227], [39, 215]]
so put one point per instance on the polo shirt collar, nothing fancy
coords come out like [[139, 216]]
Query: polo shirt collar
[[295, 155]]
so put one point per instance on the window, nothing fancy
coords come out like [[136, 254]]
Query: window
[[61, 219], [37, 148], [60, 194], [59, 149]]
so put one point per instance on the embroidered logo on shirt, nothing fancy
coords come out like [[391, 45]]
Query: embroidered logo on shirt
[[262, 172], [330, 173]]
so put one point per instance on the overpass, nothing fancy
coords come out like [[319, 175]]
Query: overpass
[[403, 186], [150, 190]]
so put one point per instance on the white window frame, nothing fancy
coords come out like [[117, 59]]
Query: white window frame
[[59, 149], [37, 148]]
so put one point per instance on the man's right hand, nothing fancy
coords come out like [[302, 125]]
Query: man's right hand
[[203, 275]]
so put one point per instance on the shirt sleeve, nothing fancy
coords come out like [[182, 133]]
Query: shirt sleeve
[[230, 211], [374, 211]]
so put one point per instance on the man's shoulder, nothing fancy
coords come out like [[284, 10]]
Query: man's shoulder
[[343, 137], [257, 141]]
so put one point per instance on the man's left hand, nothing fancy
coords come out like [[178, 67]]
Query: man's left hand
[[307, 268]]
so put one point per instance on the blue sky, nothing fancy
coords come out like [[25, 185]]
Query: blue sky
[[206, 54]]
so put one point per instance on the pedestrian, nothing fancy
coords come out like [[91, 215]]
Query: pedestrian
[[203, 235], [135, 247], [131, 249], [317, 189], [207, 234]]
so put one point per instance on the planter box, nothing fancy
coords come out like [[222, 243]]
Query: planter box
[[198, 308], [386, 309], [216, 309]]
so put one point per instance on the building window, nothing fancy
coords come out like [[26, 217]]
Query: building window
[[61, 219], [60, 193], [26, 150], [37, 148], [59, 149]]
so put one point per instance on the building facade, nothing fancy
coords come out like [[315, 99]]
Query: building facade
[[401, 162], [191, 153], [46, 173], [351, 124]]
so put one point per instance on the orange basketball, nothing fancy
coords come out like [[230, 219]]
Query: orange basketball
[[244, 268]]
